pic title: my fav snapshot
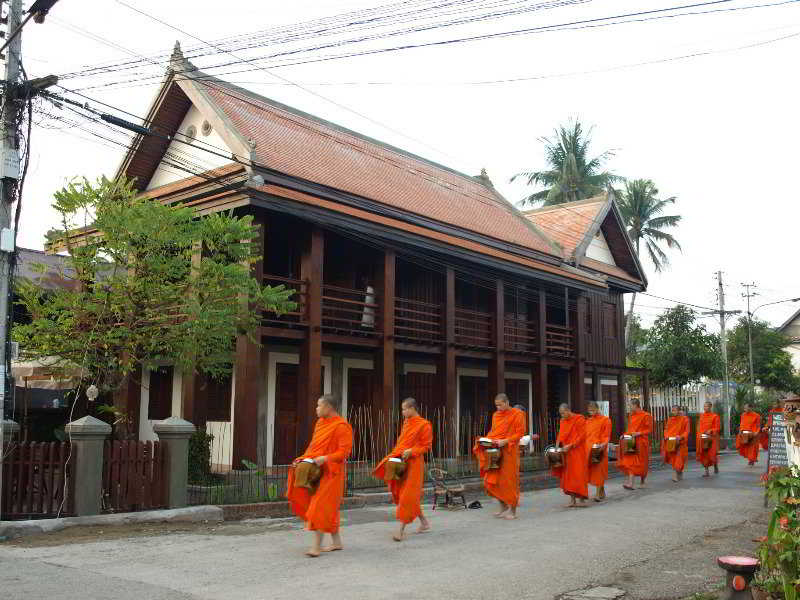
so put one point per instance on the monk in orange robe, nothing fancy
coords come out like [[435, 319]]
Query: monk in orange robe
[[640, 424], [678, 426], [416, 439], [574, 475], [708, 424], [764, 438], [329, 448], [508, 427], [751, 422], [598, 433]]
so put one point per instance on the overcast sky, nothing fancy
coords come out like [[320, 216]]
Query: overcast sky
[[716, 125]]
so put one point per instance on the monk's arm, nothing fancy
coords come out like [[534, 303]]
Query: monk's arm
[[605, 435], [716, 425], [647, 426], [423, 442], [344, 443], [516, 431]]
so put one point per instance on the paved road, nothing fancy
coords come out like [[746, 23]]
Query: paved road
[[647, 541]]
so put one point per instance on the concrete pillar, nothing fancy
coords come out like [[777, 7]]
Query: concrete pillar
[[87, 436], [174, 433]]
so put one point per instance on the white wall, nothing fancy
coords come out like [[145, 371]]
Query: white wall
[[200, 159], [598, 249]]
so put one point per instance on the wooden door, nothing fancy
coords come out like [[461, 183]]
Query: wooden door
[[286, 380], [475, 410], [360, 411], [159, 406], [425, 389]]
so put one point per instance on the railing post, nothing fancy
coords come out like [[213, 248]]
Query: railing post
[[174, 434], [87, 436]]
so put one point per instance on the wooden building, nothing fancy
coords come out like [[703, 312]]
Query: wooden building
[[411, 279]]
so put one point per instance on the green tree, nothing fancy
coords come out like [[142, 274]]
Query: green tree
[[642, 211], [571, 174], [772, 365], [680, 350], [138, 297]]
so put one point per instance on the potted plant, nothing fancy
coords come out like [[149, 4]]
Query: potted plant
[[779, 553]]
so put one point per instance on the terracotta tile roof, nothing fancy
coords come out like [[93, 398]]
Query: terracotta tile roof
[[568, 223], [312, 149], [596, 265]]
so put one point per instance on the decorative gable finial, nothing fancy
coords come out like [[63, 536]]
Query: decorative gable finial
[[484, 179]]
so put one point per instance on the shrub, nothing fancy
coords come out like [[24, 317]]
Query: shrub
[[200, 457], [779, 553]]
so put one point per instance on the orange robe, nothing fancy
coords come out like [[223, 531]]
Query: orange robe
[[503, 483], [333, 438], [639, 463], [416, 435], [708, 422], [750, 421], [598, 431], [764, 437], [677, 426], [574, 475]]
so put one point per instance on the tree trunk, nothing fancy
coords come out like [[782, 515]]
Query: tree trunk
[[629, 320]]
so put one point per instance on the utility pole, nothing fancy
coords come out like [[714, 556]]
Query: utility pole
[[15, 97], [748, 294], [723, 342], [9, 174]]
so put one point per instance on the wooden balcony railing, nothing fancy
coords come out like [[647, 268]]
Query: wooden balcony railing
[[296, 317], [473, 329], [520, 335], [417, 321], [349, 312], [559, 341]]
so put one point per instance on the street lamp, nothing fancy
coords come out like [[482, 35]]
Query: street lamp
[[750, 337]]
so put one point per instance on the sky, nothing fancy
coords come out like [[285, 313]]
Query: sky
[[705, 105]]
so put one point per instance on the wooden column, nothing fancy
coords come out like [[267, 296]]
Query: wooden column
[[249, 379], [194, 407], [447, 371], [128, 398], [540, 398], [194, 404], [645, 390], [386, 355], [580, 364], [310, 380], [597, 391], [497, 366], [621, 413], [542, 323]]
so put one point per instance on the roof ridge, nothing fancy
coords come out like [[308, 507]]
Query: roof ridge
[[602, 197]]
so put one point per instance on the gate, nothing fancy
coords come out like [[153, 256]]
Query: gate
[[133, 476], [36, 476]]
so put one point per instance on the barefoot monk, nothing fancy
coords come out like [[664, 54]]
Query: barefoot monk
[[675, 445], [574, 474], [708, 428], [416, 438], [315, 496], [598, 434], [501, 474], [636, 460], [747, 442]]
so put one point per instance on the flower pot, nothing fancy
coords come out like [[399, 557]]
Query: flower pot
[[759, 593]]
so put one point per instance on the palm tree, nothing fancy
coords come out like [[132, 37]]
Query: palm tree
[[642, 211], [571, 175]]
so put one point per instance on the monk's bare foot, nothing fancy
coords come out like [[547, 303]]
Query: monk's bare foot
[[423, 529], [331, 548], [313, 553], [398, 538], [674, 479], [627, 487], [501, 513], [510, 516], [581, 503]]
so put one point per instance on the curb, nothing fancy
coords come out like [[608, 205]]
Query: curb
[[191, 514]]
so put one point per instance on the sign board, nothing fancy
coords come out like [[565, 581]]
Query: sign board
[[777, 442]]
